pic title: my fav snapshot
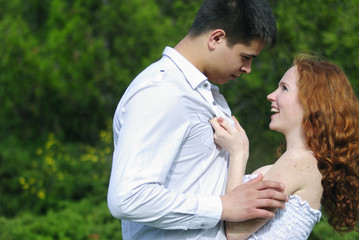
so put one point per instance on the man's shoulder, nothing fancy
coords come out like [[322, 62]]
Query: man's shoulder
[[159, 85], [164, 71]]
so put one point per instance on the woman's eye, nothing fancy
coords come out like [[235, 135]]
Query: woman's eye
[[284, 88]]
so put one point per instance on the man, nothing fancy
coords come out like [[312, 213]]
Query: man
[[168, 177]]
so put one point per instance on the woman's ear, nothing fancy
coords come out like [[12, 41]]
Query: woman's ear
[[216, 37]]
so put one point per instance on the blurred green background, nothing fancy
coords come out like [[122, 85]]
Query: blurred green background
[[64, 65]]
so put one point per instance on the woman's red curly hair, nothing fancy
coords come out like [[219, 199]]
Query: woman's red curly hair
[[331, 125]]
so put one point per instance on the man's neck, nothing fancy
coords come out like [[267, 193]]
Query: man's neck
[[194, 50]]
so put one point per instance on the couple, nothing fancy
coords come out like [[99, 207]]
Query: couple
[[169, 177]]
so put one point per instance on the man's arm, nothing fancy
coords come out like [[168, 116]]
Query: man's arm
[[242, 230], [154, 123], [253, 200]]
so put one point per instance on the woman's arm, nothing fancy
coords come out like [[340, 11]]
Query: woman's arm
[[249, 200], [242, 230], [235, 141]]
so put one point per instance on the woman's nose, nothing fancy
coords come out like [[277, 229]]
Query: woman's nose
[[270, 96]]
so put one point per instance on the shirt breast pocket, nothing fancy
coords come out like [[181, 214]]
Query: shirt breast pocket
[[205, 130]]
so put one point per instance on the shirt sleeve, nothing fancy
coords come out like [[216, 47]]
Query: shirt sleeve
[[154, 123]]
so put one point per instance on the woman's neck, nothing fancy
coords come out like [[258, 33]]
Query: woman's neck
[[296, 140]]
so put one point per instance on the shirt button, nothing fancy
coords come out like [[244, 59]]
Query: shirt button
[[214, 103], [205, 85], [203, 225]]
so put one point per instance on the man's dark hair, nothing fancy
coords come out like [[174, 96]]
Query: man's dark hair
[[242, 20]]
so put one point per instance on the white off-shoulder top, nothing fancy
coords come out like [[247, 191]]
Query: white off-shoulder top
[[295, 222]]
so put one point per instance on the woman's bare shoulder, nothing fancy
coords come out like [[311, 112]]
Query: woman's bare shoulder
[[294, 169], [305, 170], [263, 169], [297, 159]]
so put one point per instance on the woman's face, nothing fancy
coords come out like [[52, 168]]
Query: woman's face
[[286, 107]]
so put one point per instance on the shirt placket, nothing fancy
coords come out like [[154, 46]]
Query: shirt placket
[[205, 91], [221, 104]]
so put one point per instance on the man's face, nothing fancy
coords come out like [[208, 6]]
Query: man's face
[[227, 63]]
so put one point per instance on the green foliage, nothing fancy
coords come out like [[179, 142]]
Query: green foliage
[[41, 179], [82, 220], [13, 162], [323, 231], [65, 64]]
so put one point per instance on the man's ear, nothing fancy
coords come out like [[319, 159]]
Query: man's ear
[[216, 37]]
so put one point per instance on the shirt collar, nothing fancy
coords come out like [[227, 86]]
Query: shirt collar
[[192, 74]]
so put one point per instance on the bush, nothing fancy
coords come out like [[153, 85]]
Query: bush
[[84, 220], [40, 179], [323, 231], [65, 64]]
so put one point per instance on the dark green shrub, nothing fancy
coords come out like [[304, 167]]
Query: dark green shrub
[[82, 220], [323, 231], [41, 178]]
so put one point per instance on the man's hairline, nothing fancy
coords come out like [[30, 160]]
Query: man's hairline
[[192, 34]]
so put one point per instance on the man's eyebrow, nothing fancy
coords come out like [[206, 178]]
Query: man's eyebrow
[[250, 55]]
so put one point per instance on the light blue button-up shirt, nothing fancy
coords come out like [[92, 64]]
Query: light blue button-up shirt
[[167, 173]]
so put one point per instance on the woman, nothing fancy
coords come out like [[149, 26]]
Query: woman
[[317, 110]]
